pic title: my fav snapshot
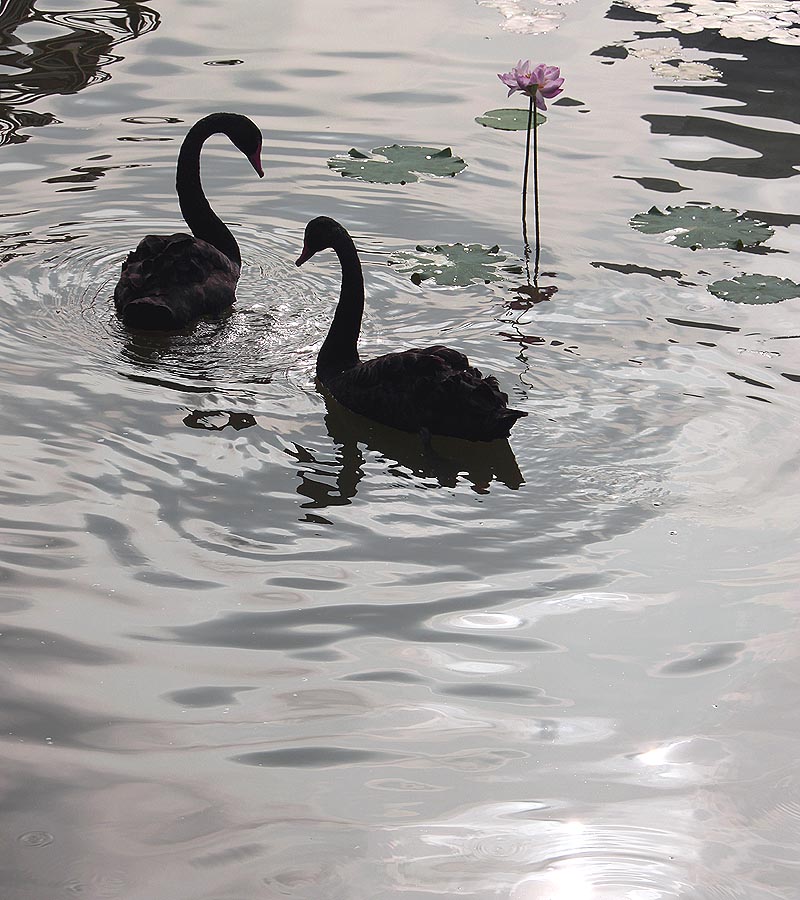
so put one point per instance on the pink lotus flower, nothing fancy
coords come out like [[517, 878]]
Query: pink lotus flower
[[540, 82]]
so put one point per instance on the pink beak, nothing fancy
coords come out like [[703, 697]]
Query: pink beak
[[305, 256], [255, 162]]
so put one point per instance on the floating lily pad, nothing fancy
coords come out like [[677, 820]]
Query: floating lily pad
[[397, 164], [508, 119], [455, 264], [703, 227], [755, 289]]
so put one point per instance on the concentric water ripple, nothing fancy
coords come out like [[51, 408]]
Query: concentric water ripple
[[61, 295]]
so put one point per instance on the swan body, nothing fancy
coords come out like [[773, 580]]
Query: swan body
[[170, 280], [431, 390]]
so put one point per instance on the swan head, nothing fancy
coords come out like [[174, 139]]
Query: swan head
[[244, 135], [321, 233]]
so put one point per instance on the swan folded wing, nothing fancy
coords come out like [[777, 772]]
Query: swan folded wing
[[176, 259], [433, 388], [191, 276]]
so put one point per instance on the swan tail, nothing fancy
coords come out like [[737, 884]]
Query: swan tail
[[506, 421]]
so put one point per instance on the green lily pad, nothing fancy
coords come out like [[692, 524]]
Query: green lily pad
[[455, 264], [755, 289], [508, 119], [397, 164], [703, 227]]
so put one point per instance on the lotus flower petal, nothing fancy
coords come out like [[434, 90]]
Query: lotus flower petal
[[539, 82]]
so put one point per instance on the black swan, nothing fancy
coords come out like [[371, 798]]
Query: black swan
[[169, 280], [432, 390]]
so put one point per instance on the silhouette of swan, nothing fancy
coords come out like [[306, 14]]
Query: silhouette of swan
[[169, 280], [432, 390]]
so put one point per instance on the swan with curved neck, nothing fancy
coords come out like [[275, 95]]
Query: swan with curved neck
[[432, 390], [170, 280]]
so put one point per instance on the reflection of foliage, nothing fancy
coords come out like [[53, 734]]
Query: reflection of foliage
[[508, 119], [756, 80], [703, 227], [752, 20], [755, 289], [684, 70], [397, 164], [669, 61], [65, 63], [11, 119], [455, 264], [665, 61], [521, 19]]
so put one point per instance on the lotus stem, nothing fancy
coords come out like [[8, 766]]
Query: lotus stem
[[525, 193], [535, 193]]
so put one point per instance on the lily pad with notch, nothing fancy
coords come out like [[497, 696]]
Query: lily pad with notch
[[703, 227], [397, 164], [457, 264], [755, 289], [508, 119]]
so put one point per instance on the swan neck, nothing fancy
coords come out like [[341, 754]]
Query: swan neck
[[195, 208], [340, 349]]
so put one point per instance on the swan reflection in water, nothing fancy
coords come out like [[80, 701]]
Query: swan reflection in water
[[73, 57], [334, 482]]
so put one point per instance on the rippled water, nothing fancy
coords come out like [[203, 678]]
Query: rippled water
[[256, 646]]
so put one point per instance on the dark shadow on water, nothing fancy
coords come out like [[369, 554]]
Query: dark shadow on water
[[442, 464], [633, 269], [660, 185], [64, 63], [776, 153], [218, 420]]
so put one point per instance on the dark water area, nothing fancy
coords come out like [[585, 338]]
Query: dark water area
[[256, 646]]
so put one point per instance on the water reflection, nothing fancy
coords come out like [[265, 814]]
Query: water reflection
[[237, 347], [578, 689], [218, 419], [46, 53], [759, 81], [441, 464]]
